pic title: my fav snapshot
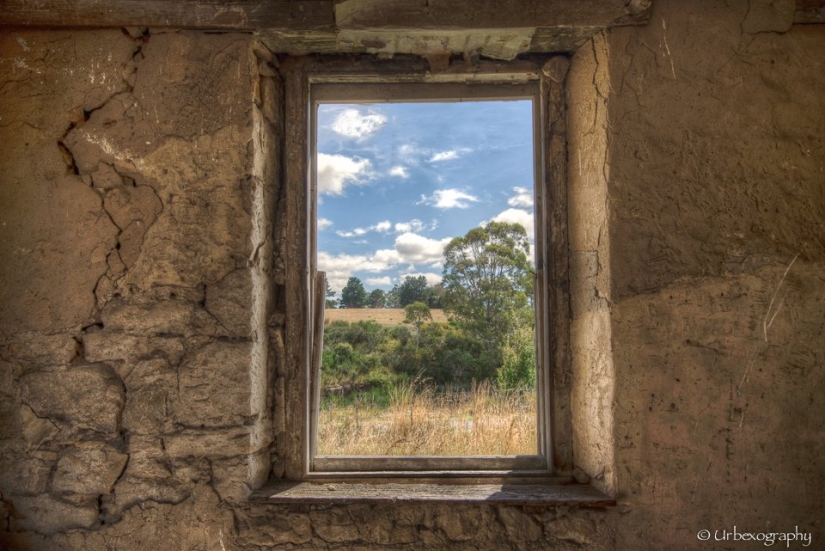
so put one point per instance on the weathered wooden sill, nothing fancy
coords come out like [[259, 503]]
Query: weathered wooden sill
[[324, 493]]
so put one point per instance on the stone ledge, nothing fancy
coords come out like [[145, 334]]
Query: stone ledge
[[326, 493]]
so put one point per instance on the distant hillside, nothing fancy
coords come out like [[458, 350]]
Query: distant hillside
[[384, 316]]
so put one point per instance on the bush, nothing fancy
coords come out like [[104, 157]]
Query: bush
[[518, 361]]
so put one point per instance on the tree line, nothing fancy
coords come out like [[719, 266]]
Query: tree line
[[486, 291], [412, 289]]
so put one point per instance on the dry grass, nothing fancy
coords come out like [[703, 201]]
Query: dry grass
[[479, 421], [384, 316]]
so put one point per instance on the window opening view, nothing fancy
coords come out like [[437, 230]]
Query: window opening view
[[425, 232]]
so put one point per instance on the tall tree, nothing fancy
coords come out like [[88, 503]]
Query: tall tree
[[412, 289], [487, 281], [353, 295], [376, 299]]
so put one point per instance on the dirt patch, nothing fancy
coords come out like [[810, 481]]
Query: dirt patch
[[384, 316]]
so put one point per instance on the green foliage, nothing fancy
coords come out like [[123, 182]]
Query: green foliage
[[353, 295], [376, 299], [413, 289], [417, 313], [518, 361], [487, 281]]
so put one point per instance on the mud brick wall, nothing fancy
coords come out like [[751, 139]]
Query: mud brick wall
[[141, 282], [137, 252]]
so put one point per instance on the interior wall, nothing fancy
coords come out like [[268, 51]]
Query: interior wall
[[137, 191], [717, 264]]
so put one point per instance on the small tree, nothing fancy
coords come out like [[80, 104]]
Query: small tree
[[353, 295], [417, 313]]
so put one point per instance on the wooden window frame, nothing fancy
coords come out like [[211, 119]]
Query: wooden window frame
[[311, 80]]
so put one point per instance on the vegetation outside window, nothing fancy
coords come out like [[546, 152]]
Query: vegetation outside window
[[380, 387]]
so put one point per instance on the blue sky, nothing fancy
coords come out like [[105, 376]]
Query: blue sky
[[397, 181]]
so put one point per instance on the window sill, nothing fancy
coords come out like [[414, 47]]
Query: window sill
[[328, 493]]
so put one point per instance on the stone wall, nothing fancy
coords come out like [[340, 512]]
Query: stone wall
[[135, 280], [141, 291]]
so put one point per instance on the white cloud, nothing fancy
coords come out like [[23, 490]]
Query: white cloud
[[449, 199], [323, 223], [354, 233], [337, 171], [517, 216], [352, 123], [375, 281], [522, 198], [444, 156], [399, 171], [382, 227], [409, 248], [413, 248], [413, 225]]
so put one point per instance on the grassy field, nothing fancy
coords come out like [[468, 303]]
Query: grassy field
[[480, 421], [384, 316]]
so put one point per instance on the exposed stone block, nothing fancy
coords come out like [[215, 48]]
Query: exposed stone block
[[145, 411], [335, 525], [42, 351], [82, 397], [215, 443], [230, 301], [48, 515], [214, 386], [174, 317], [36, 430], [133, 210], [234, 478], [110, 345], [24, 475], [88, 468]]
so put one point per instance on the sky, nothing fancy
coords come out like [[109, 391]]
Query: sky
[[397, 181]]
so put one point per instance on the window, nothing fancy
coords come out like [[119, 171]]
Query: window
[[312, 82]]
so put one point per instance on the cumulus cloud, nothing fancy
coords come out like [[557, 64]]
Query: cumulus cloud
[[517, 216], [382, 227], [376, 281], [340, 267], [413, 225], [413, 248], [323, 223], [449, 199], [522, 198], [352, 123], [410, 248], [337, 171], [400, 172]]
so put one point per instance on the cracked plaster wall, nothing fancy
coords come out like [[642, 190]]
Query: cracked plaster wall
[[135, 207]]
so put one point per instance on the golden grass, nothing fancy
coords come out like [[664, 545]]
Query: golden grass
[[479, 421], [383, 316]]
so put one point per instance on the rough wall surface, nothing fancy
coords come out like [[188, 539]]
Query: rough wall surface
[[132, 331], [717, 198], [135, 200]]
